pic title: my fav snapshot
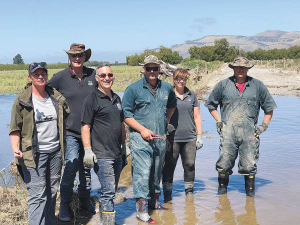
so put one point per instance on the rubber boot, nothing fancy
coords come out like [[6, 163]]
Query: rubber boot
[[64, 212], [167, 187], [107, 218], [250, 185], [153, 203], [189, 188], [142, 213], [223, 180]]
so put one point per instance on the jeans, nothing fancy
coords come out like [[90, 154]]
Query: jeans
[[74, 162], [238, 139], [147, 160], [108, 172], [187, 150], [42, 184]]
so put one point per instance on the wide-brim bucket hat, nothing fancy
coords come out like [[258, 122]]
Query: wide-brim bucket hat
[[78, 48], [241, 61], [150, 59]]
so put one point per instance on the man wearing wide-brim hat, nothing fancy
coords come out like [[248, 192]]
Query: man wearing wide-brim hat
[[240, 98], [75, 83], [148, 105]]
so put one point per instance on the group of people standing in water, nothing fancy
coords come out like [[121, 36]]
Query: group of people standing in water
[[76, 120]]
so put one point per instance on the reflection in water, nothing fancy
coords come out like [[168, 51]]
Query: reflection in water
[[226, 215]]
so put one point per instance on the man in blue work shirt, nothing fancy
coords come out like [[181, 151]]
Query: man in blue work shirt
[[240, 98], [148, 105]]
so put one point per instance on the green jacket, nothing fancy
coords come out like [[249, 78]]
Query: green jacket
[[22, 120]]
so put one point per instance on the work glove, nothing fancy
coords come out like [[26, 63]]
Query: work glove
[[199, 142], [170, 128], [219, 124], [89, 157], [260, 129]]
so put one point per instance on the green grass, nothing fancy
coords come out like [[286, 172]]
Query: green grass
[[14, 81]]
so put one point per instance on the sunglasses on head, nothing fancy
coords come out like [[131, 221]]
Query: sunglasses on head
[[103, 75], [149, 69], [35, 64], [178, 79], [75, 55]]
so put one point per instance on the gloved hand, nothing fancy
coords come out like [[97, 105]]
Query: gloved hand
[[219, 124], [89, 157], [260, 129], [170, 128], [199, 142]]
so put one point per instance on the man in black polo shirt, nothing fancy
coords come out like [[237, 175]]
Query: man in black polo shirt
[[75, 83], [103, 133]]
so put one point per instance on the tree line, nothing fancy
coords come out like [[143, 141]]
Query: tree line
[[164, 54]]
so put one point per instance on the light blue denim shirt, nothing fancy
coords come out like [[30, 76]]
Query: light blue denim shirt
[[240, 107]]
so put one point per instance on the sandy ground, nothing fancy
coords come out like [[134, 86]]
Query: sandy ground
[[278, 81]]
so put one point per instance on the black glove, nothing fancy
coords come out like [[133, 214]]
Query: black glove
[[170, 128], [219, 124]]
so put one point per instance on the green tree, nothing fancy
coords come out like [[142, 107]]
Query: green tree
[[18, 59], [94, 63], [221, 47]]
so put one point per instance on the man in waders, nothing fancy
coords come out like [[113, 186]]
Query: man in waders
[[240, 98], [148, 105]]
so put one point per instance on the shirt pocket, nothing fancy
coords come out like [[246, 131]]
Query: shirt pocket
[[252, 108], [143, 107]]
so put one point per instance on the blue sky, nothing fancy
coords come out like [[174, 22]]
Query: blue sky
[[39, 30]]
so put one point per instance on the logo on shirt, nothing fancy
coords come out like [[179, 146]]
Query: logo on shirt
[[90, 82], [40, 117], [119, 106], [166, 97]]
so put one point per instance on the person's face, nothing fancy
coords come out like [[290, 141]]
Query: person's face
[[77, 60], [180, 82], [105, 78], [240, 72], [150, 73], [38, 77]]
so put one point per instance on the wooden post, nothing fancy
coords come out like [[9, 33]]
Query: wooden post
[[206, 67], [283, 62]]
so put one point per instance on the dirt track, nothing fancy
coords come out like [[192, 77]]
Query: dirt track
[[278, 81]]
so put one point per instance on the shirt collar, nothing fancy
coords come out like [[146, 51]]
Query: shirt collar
[[74, 75]]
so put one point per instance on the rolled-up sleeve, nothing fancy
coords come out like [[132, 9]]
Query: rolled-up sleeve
[[128, 102]]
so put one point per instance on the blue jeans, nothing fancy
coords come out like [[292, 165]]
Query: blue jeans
[[73, 163], [42, 184], [108, 172]]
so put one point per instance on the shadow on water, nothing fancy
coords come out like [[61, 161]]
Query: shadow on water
[[236, 182]]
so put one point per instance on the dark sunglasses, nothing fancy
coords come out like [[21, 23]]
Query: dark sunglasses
[[75, 55], [103, 75], [178, 79], [149, 69]]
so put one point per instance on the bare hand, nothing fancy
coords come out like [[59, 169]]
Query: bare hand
[[18, 154], [147, 134]]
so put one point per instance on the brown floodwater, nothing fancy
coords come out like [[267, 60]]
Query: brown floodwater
[[277, 196]]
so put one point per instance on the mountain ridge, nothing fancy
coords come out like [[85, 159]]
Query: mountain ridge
[[269, 39]]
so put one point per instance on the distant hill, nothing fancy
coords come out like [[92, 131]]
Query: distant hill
[[266, 40]]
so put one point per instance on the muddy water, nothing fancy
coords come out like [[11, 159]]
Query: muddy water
[[277, 196]]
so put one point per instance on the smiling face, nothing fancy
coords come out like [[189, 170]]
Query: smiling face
[[38, 77], [77, 60], [104, 78]]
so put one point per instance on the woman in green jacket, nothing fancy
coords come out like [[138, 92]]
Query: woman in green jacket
[[37, 133]]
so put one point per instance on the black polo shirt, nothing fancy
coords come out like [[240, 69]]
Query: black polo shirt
[[75, 92], [105, 117]]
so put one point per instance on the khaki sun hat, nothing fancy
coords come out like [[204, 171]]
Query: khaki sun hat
[[150, 59], [241, 61], [78, 48]]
